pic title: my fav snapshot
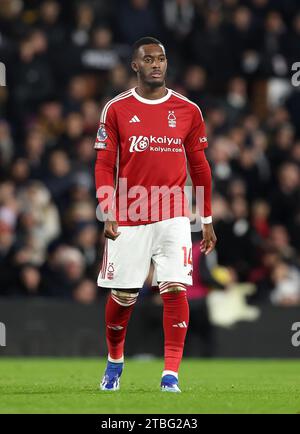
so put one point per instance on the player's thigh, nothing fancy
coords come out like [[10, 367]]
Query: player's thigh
[[173, 252], [126, 260]]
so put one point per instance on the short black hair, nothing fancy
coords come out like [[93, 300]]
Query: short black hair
[[147, 40]]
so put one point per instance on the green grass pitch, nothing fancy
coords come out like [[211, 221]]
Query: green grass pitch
[[212, 386]]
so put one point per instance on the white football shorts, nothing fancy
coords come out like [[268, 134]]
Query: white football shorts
[[126, 261]]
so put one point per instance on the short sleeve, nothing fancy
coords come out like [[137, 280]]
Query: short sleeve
[[107, 135], [196, 138]]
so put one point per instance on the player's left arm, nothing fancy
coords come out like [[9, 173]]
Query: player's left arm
[[200, 172]]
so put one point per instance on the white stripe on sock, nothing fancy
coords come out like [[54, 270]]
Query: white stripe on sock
[[170, 373], [121, 360]]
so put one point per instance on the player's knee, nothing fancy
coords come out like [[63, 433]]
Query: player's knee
[[126, 297], [175, 287]]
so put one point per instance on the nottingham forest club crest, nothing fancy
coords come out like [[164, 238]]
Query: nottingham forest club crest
[[171, 119], [110, 271]]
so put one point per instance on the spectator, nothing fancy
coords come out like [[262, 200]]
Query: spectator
[[29, 281], [84, 238], [236, 103], [50, 23], [286, 290], [135, 19], [260, 218], [84, 22], [273, 61], [195, 85], [90, 113], [63, 271], [51, 121], [20, 172], [85, 292], [59, 176], [36, 202], [285, 199], [34, 151], [6, 145], [179, 16], [32, 78], [101, 54]]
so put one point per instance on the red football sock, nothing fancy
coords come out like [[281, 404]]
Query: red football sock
[[116, 319], [175, 322]]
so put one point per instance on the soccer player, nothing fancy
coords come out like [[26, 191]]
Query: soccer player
[[145, 139]]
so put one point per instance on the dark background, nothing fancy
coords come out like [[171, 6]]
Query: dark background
[[64, 60]]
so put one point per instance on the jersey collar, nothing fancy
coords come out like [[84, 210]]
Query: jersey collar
[[151, 101]]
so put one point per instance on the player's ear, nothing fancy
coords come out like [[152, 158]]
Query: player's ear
[[134, 66]]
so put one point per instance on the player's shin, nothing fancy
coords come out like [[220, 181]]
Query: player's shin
[[118, 310], [175, 323]]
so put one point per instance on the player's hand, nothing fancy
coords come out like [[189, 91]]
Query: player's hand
[[111, 230], [209, 239]]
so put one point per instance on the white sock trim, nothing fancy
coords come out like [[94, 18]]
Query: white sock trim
[[123, 298], [206, 220], [121, 360], [170, 373]]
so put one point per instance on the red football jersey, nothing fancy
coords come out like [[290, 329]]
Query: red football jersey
[[150, 142]]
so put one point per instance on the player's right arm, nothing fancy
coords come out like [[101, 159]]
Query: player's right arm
[[106, 145]]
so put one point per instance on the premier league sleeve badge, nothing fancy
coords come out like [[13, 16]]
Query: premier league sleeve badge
[[102, 136]]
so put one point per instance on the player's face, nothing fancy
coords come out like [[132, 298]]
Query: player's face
[[151, 64]]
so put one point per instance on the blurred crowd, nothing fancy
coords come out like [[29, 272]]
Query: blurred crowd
[[65, 59]]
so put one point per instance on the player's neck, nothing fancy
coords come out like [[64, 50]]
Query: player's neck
[[151, 93]]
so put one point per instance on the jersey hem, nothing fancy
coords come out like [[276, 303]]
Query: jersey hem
[[144, 223], [113, 286]]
